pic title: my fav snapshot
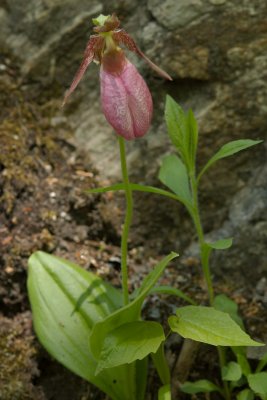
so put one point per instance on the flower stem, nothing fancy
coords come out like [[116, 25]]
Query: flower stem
[[127, 221], [206, 267]]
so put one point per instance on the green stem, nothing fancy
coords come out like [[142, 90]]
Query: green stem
[[204, 254], [222, 360], [127, 221], [161, 365]]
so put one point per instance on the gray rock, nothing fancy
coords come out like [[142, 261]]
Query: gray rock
[[216, 52], [176, 14]]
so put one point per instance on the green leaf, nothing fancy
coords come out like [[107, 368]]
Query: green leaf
[[176, 124], [262, 363], [228, 150], [183, 132], [153, 276], [231, 372], [54, 287], [173, 174], [135, 187], [172, 292], [130, 342], [246, 394], [258, 383], [221, 244], [227, 305], [201, 386], [141, 372], [160, 362], [207, 325], [128, 313], [240, 353], [165, 393]]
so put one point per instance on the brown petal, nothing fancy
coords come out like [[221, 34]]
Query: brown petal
[[122, 37], [92, 47]]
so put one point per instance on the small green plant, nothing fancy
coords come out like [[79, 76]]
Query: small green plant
[[178, 172], [92, 328]]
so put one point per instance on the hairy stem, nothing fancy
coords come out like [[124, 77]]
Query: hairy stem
[[127, 221]]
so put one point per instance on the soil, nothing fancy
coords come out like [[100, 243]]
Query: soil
[[43, 207]]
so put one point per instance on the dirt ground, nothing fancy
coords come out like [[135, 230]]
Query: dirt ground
[[43, 207]]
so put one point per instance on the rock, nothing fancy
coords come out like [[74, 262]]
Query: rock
[[216, 52], [176, 14]]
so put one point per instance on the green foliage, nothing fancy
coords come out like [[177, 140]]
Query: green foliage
[[221, 244], [173, 174], [134, 187], [240, 353], [165, 393], [228, 150], [231, 372], [262, 363], [130, 342], [129, 313], [246, 394], [161, 365], [54, 287], [201, 386], [172, 292], [207, 325], [183, 132], [258, 383], [227, 305]]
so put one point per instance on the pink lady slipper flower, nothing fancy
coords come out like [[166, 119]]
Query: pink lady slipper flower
[[126, 99]]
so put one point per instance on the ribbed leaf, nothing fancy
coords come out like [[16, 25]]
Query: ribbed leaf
[[129, 313], [130, 342], [207, 325], [55, 287], [173, 174]]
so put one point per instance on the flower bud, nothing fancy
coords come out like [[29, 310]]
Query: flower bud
[[126, 100]]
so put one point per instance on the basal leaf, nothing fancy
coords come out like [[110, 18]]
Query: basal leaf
[[54, 287], [228, 150], [130, 342], [207, 325], [173, 174]]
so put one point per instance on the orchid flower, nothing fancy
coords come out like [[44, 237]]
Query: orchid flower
[[126, 99]]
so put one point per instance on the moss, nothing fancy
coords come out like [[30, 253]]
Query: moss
[[17, 360], [26, 141]]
